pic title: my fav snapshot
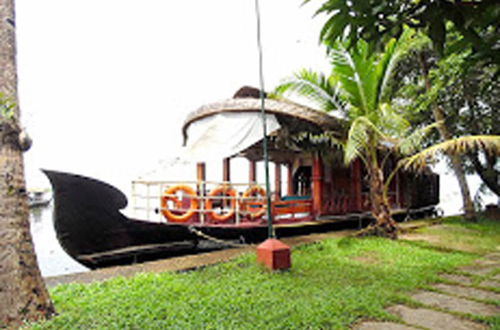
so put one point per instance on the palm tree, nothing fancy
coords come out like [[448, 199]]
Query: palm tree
[[359, 87], [23, 295], [489, 144]]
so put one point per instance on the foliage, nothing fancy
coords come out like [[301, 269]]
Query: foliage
[[377, 21], [331, 285], [470, 97], [360, 87], [488, 143], [467, 93], [321, 90]]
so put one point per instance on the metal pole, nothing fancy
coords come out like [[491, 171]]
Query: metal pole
[[270, 230]]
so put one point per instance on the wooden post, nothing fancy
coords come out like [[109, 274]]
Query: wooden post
[[401, 188], [252, 174], [201, 173], [317, 188], [397, 201], [277, 181], [356, 185], [226, 170], [289, 178]]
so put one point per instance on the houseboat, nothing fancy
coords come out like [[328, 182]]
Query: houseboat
[[312, 188]]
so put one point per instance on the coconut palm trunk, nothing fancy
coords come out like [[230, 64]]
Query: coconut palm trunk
[[23, 296], [381, 210]]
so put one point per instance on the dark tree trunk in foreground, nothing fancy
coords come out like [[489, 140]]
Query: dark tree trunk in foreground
[[23, 296]]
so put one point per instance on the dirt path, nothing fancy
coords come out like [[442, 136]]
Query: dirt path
[[453, 305]]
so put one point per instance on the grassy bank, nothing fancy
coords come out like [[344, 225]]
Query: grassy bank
[[331, 285]]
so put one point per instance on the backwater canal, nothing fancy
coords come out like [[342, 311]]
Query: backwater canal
[[52, 259]]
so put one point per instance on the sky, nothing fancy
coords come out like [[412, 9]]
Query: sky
[[105, 85]]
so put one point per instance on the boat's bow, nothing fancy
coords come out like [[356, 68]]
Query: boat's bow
[[88, 221]]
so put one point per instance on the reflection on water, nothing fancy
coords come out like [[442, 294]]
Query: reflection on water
[[52, 259]]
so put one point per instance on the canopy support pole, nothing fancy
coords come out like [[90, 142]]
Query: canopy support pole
[[252, 175]]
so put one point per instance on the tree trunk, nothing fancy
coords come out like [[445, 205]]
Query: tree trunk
[[384, 225], [456, 163], [381, 209], [23, 296]]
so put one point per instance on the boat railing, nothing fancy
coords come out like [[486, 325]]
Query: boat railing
[[211, 202]]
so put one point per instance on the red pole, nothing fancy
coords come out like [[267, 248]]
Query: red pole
[[289, 178], [356, 184], [252, 175], [201, 187], [226, 170], [317, 178], [277, 181]]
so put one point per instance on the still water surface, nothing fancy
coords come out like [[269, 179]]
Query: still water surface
[[52, 259]]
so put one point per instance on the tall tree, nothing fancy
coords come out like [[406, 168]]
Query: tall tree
[[470, 96], [375, 21], [23, 295], [360, 87], [467, 95], [444, 131]]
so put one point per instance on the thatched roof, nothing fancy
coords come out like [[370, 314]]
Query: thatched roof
[[292, 115]]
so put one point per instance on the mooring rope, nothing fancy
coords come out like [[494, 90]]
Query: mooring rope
[[215, 239]]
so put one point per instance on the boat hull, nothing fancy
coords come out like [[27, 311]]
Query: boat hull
[[92, 230]]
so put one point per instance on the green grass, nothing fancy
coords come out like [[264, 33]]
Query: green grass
[[332, 284], [457, 234]]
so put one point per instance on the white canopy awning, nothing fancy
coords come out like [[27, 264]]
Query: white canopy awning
[[225, 134], [214, 138]]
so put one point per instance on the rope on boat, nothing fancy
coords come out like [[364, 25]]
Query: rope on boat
[[215, 239]]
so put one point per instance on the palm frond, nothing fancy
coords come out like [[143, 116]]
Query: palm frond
[[458, 146], [363, 135], [357, 140], [411, 143], [392, 123], [395, 49], [352, 71], [315, 87]]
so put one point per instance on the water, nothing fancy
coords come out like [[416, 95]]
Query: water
[[52, 259]]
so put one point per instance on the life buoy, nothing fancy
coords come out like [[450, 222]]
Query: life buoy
[[167, 213], [246, 205], [224, 191]]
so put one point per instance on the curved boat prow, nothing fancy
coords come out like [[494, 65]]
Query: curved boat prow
[[90, 226], [90, 191], [85, 209]]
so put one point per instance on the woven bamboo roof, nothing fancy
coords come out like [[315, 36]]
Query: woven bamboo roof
[[297, 116]]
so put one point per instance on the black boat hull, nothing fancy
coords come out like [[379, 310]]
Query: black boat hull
[[92, 230]]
